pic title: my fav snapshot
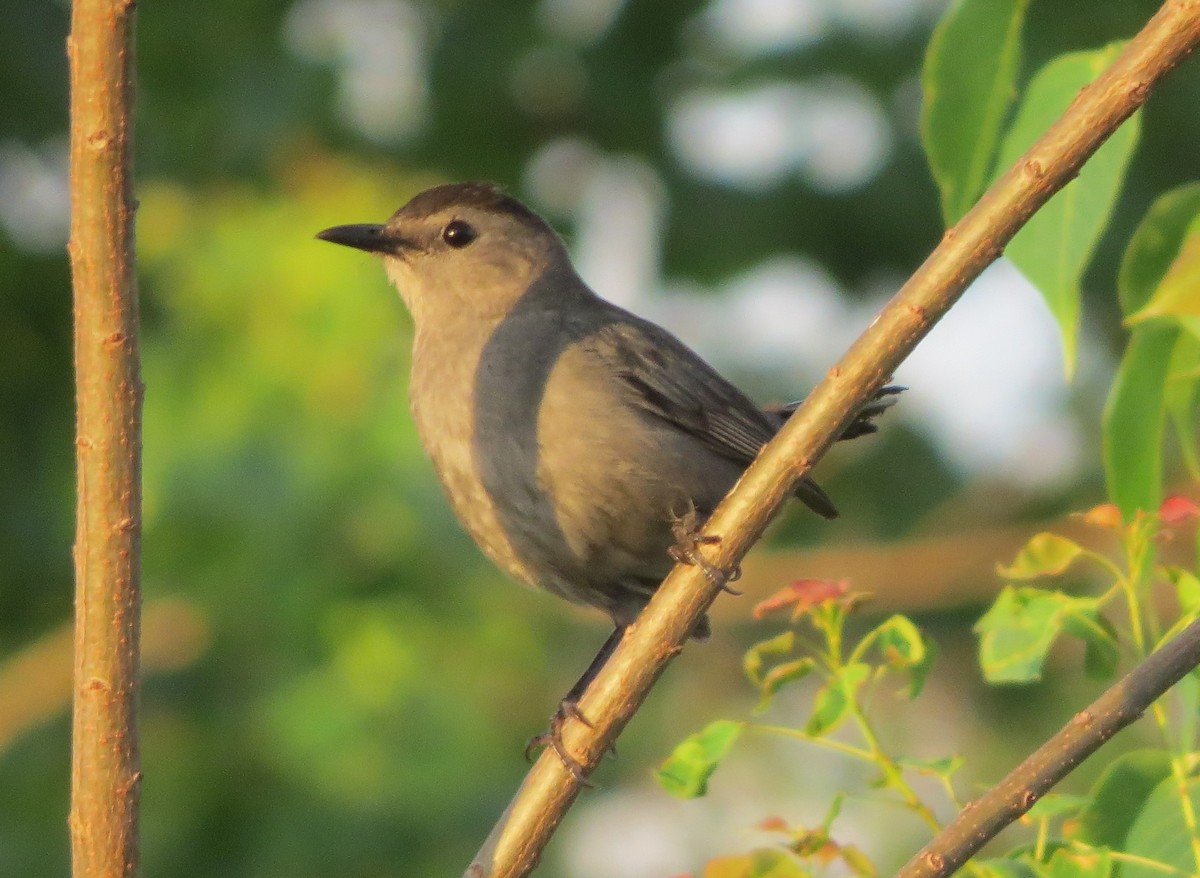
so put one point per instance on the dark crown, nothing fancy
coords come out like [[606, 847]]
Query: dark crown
[[485, 196]]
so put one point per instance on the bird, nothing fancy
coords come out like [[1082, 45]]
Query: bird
[[581, 446]]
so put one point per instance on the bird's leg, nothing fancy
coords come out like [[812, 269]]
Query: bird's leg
[[568, 708], [688, 540]]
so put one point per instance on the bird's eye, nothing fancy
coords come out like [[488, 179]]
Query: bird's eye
[[459, 234]]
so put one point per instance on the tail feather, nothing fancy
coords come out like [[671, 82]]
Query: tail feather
[[864, 421], [808, 491]]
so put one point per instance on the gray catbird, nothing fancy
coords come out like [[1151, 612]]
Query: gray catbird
[[572, 437]]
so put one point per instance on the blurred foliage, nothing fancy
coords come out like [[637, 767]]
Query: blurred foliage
[[1141, 813], [1055, 246], [369, 679]]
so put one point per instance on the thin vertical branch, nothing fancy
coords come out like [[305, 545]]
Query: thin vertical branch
[[105, 775]]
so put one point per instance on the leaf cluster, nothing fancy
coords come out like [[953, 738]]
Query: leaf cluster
[[1140, 816]]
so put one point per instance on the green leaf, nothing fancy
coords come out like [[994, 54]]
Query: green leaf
[[1103, 652], [833, 812], [1100, 637], [686, 771], [1068, 863], [1134, 420], [943, 768], [1160, 833], [1002, 868], [835, 697], [860, 864], [756, 656], [1155, 356], [900, 642], [770, 681], [969, 83], [1187, 592], [1178, 293], [1045, 554], [779, 676], [1056, 805], [1117, 797], [1055, 246], [1017, 632], [919, 672], [1187, 696], [1187, 588], [902, 647], [1155, 245], [1183, 399]]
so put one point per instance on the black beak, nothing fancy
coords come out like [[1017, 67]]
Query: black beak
[[365, 236]]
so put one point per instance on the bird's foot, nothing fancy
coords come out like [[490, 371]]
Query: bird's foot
[[688, 540], [552, 738]]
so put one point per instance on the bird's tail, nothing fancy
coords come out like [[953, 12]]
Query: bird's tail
[[811, 494], [863, 424]]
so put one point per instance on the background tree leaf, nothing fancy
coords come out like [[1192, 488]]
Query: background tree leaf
[[1046, 554], [1002, 868], [1118, 796], [1134, 420], [1136, 410], [1178, 293], [1068, 863], [969, 83], [1160, 833], [686, 772], [779, 676], [755, 660], [835, 697], [1055, 246], [1155, 245], [1183, 398], [1016, 634], [903, 647]]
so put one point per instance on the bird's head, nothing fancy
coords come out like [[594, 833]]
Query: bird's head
[[459, 248]]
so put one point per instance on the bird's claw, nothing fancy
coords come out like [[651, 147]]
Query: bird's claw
[[686, 550], [552, 738]]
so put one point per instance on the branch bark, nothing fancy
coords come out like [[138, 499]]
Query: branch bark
[[515, 844], [1119, 706], [105, 775], [37, 682]]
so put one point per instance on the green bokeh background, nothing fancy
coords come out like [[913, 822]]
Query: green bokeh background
[[341, 684]]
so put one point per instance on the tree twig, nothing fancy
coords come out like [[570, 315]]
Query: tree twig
[[105, 774], [1119, 706], [36, 682], [515, 844]]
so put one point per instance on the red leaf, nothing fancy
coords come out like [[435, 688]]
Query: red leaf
[[1176, 510], [802, 594]]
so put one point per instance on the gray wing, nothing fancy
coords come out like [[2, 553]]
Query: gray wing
[[675, 384], [671, 382]]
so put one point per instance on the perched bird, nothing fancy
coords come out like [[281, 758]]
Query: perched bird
[[571, 436]]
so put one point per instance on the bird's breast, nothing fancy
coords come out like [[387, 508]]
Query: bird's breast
[[443, 404]]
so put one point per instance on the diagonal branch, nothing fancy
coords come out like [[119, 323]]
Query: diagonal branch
[[516, 842], [105, 775], [1119, 706]]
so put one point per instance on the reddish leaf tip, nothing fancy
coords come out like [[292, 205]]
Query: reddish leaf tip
[[1177, 510], [1105, 515]]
